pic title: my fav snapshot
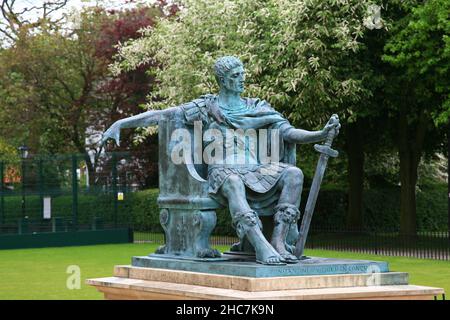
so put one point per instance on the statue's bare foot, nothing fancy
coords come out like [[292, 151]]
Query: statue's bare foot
[[289, 258], [286, 215], [270, 260], [265, 253], [285, 255], [273, 260]]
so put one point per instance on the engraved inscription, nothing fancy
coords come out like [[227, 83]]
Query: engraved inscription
[[327, 269]]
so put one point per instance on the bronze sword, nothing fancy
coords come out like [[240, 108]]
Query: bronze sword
[[325, 152]]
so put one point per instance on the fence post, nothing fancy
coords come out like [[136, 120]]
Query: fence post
[[41, 186], [74, 192], [125, 185], [2, 190], [114, 187], [23, 188]]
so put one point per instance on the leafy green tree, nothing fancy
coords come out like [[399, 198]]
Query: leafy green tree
[[307, 58], [7, 152], [56, 82], [291, 50], [418, 92], [19, 19], [61, 73], [421, 48], [301, 56]]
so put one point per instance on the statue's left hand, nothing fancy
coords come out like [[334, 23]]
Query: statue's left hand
[[333, 123]]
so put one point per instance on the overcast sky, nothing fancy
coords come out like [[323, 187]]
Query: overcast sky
[[74, 4]]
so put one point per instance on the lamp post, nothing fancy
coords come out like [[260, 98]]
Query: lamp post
[[23, 149]]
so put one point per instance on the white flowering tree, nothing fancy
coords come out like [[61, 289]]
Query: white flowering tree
[[302, 56], [294, 52]]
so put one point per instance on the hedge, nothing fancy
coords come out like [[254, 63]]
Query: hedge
[[138, 208], [381, 209]]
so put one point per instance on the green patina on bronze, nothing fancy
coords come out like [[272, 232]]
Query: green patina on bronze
[[253, 191]]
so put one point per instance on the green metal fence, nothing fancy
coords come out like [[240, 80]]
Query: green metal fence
[[67, 193]]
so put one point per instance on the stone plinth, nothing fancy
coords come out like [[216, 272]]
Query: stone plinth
[[252, 284], [244, 266], [131, 282]]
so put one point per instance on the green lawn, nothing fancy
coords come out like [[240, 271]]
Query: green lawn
[[426, 272], [41, 273]]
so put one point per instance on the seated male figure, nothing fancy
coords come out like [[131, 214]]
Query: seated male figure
[[242, 185]]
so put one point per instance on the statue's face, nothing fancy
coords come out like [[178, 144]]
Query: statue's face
[[234, 80]]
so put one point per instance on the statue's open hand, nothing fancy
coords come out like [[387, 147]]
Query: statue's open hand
[[333, 123], [113, 132]]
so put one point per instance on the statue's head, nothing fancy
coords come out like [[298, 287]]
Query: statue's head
[[230, 74]]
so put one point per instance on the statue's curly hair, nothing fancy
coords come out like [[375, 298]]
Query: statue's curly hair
[[225, 64]]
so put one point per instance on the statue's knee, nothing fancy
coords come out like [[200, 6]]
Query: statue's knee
[[233, 183], [294, 177]]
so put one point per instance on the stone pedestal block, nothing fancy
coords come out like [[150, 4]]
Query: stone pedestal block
[[133, 282]]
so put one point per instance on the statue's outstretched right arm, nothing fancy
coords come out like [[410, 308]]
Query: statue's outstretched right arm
[[144, 119]]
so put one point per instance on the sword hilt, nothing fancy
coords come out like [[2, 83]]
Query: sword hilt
[[332, 133], [326, 147], [330, 136]]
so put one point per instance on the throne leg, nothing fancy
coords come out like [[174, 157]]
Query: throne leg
[[188, 232]]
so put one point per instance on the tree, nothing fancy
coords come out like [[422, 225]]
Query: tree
[[307, 58], [7, 152], [363, 133], [290, 49], [419, 49], [17, 20], [70, 95]]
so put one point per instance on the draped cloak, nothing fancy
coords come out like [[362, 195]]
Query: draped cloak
[[259, 178]]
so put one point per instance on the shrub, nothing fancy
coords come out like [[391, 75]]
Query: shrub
[[380, 209]]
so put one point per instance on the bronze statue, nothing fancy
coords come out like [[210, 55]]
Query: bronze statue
[[248, 189]]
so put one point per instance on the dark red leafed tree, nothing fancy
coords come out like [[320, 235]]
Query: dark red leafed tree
[[128, 91]]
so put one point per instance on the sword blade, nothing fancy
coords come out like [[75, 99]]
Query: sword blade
[[310, 204]]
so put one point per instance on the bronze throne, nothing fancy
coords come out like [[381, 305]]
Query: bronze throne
[[187, 212]]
